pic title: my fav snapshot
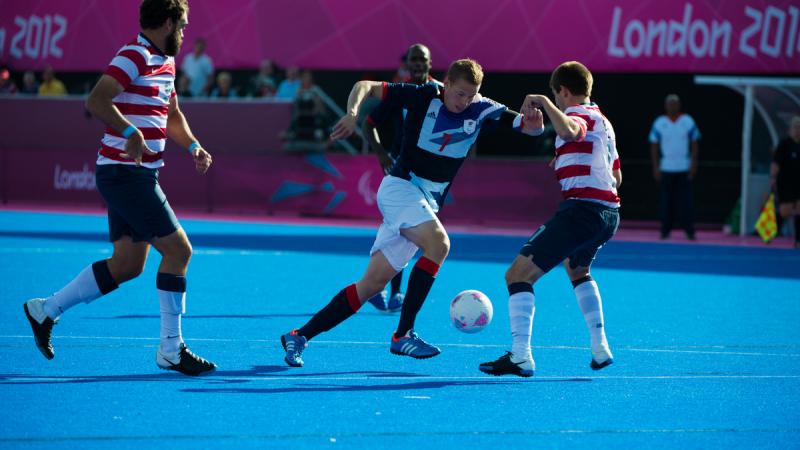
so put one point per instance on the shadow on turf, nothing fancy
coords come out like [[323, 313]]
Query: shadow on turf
[[218, 377], [419, 385], [244, 376]]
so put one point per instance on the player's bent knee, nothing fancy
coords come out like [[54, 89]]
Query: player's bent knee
[[577, 272], [523, 270], [180, 254], [515, 275], [125, 268], [439, 250]]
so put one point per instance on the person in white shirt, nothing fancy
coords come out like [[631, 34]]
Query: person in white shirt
[[674, 149], [199, 68]]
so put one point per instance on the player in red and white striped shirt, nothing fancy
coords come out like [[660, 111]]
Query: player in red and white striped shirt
[[587, 167], [136, 100]]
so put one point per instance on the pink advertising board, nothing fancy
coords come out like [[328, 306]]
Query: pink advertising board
[[709, 36], [486, 193]]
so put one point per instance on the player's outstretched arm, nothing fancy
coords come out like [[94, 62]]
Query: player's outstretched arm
[[347, 124], [100, 104], [567, 129], [178, 130]]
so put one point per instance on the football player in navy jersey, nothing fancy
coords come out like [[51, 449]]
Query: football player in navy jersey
[[441, 125], [418, 63]]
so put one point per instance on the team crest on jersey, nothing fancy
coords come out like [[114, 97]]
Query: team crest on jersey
[[470, 126]]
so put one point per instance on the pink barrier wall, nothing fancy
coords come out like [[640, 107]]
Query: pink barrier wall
[[230, 126], [487, 192], [54, 165], [734, 36]]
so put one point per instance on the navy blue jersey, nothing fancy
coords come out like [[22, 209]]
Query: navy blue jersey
[[385, 112], [436, 141]]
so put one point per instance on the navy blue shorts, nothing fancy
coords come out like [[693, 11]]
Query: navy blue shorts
[[137, 207], [577, 231]]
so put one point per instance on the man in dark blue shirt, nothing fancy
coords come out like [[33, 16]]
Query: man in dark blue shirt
[[441, 125], [418, 63]]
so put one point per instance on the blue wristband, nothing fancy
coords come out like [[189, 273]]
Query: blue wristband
[[129, 131], [193, 146]]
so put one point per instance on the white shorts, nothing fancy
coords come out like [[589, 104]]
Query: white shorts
[[402, 205]]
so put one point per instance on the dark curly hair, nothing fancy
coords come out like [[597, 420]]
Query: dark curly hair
[[153, 13]]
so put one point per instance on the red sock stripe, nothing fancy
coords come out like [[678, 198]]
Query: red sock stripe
[[428, 265], [352, 297]]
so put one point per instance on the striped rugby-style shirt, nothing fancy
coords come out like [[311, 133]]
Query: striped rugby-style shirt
[[584, 167], [148, 78]]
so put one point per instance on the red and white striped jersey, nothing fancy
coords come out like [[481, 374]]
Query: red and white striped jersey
[[148, 78], [584, 167]]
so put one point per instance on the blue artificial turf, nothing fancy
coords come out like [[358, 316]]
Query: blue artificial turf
[[705, 341]]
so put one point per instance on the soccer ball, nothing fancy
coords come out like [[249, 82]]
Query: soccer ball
[[471, 311]]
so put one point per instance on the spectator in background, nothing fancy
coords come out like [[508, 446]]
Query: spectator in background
[[29, 83], [51, 86], [288, 88], [7, 85], [263, 84], [785, 177], [309, 107], [307, 130], [674, 149], [199, 68], [224, 88], [182, 87]]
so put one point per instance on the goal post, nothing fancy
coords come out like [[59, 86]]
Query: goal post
[[775, 100]]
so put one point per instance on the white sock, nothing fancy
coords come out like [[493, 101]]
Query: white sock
[[81, 289], [592, 308], [171, 309], [521, 307]]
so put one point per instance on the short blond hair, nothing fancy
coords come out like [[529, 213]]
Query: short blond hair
[[465, 69]]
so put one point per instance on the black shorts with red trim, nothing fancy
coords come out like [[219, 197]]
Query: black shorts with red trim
[[577, 231], [137, 207]]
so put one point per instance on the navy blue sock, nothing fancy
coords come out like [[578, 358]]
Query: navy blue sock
[[518, 287], [171, 283], [102, 275], [581, 280], [419, 284], [341, 307]]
